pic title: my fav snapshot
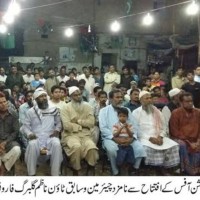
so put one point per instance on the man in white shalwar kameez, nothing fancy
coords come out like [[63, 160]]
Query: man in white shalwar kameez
[[161, 151], [107, 118], [42, 127]]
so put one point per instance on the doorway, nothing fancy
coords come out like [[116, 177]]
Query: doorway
[[131, 64], [108, 59]]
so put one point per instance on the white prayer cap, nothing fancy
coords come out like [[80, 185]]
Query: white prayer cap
[[72, 89], [142, 93], [174, 92], [39, 92]]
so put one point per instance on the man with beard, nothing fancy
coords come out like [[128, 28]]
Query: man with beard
[[161, 151], [108, 117], [185, 129], [42, 126], [78, 122]]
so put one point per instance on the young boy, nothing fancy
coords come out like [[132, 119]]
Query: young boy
[[123, 136]]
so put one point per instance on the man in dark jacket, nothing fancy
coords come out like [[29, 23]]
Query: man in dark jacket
[[9, 126]]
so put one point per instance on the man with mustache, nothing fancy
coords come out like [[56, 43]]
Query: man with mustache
[[42, 127], [108, 117], [185, 129], [161, 151], [78, 121]]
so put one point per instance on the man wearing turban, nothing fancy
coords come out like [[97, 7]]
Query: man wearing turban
[[42, 127]]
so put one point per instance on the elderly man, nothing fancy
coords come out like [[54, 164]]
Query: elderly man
[[78, 121], [9, 126], [172, 105], [161, 151], [42, 127], [185, 129], [107, 119]]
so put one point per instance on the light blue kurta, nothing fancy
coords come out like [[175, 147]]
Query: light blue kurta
[[107, 118]]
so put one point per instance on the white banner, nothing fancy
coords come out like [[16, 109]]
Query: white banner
[[36, 60], [94, 188]]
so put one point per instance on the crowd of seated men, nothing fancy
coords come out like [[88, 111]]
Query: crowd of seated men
[[135, 120]]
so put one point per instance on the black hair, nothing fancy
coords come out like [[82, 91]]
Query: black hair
[[63, 67], [82, 81], [125, 67], [190, 72], [71, 72], [84, 67], [40, 69], [64, 89], [27, 92], [102, 93], [53, 88], [122, 110], [157, 87], [96, 89], [184, 94], [111, 94], [74, 68], [134, 90], [61, 83]]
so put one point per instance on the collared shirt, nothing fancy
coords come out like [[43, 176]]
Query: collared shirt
[[28, 79], [64, 79], [3, 78], [9, 127], [132, 106]]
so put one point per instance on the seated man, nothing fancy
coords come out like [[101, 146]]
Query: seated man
[[185, 129], [9, 126], [161, 151], [78, 122], [102, 99], [22, 115], [107, 119], [134, 100], [42, 127]]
